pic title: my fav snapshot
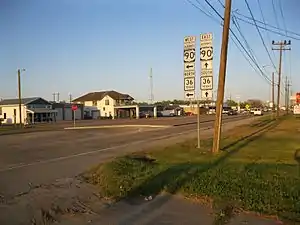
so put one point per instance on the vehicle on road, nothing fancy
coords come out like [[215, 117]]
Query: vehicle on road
[[232, 112], [257, 112]]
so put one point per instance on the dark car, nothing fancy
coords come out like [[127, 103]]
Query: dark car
[[232, 112]]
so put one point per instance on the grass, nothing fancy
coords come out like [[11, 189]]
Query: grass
[[257, 170]]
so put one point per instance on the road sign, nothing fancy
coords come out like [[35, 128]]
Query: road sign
[[189, 42], [206, 40], [189, 74], [206, 73], [206, 53], [74, 107], [189, 66], [207, 94], [189, 94], [189, 55], [206, 65], [189, 84], [206, 83]]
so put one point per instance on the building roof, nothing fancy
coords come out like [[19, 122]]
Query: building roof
[[97, 96], [16, 101]]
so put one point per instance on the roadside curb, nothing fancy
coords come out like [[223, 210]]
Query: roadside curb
[[117, 126]]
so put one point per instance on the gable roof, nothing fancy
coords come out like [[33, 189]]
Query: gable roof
[[24, 101], [97, 96]]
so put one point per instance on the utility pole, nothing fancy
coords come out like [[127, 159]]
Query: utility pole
[[57, 96], [151, 87], [273, 94], [20, 96], [281, 48], [70, 98], [222, 76], [54, 94]]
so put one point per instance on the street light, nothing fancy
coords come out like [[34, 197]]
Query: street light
[[20, 96]]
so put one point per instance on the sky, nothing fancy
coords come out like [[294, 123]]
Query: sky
[[80, 46]]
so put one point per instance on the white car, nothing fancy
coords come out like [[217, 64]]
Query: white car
[[257, 112]]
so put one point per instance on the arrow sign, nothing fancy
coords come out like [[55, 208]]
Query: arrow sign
[[206, 64], [206, 94], [189, 66], [189, 94]]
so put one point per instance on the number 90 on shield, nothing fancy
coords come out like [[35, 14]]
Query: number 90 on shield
[[189, 55]]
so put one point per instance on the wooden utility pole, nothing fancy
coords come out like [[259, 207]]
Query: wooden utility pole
[[20, 96], [273, 94], [222, 76], [281, 48]]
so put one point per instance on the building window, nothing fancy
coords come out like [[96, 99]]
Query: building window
[[4, 116], [0, 111], [107, 102], [15, 112], [103, 108], [94, 103]]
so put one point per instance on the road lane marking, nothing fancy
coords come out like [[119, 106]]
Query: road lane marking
[[117, 126]]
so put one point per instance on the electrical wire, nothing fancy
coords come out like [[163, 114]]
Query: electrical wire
[[261, 37], [267, 25]]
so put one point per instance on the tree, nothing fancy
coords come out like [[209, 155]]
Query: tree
[[231, 103], [255, 103]]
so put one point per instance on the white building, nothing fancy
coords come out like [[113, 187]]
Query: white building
[[32, 110], [107, 102]]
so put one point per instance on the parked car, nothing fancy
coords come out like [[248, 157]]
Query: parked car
[[232, 112], [257, 112]]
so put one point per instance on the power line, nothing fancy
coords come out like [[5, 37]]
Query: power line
[[275, 14], [256, 64], [208, 15], [263, 42], [267, 25], [264, 21]]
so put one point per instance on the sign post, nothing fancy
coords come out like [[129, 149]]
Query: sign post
[[74, 108], [189, 61]]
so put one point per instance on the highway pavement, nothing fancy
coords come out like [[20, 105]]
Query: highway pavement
[[34, 158]]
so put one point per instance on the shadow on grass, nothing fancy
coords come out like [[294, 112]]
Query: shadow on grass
[[252, 136], [173, 178]]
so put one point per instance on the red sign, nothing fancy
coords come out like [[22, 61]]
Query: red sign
[[74, 107], [298, 98]]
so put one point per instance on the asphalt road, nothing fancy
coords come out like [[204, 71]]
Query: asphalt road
[[35, 158]]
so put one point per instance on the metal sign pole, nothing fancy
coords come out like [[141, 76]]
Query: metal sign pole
[[74, 117]]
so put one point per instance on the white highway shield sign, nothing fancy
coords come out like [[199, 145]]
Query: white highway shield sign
[[189, 84], [189, 55], [206, 53], [206, 83]]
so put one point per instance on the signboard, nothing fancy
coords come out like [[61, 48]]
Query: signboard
[[206, 63], [298, 98], [189, 71], [206, 83], [74, 107], [207, 94], [189, 84], [296, 110]]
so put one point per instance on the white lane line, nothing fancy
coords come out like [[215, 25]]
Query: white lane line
[[116, 126]]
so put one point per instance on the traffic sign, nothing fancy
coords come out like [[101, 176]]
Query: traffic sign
[[189, 42], [206, 53], [207, 94], [189, 94], [189, 84], [189, 55], [206, 65], [206, 73], [189, 73], [206, 40], [74, 107], [206, 83], [189, 66]]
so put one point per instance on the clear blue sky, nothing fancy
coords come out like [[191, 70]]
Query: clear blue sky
[[78, 46]]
